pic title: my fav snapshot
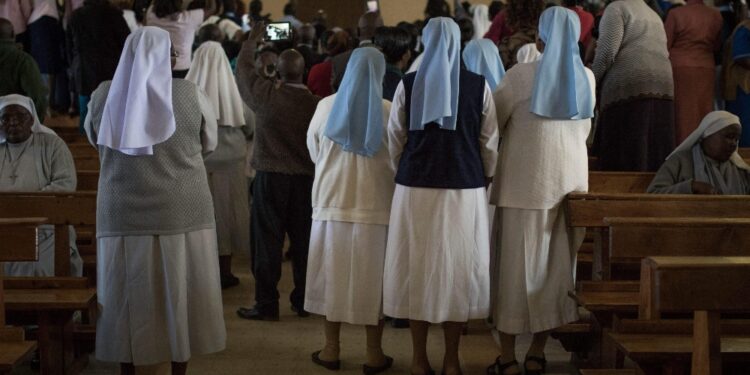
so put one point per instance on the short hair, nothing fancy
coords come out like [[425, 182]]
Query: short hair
[[210, 32], [256, 6], [495, 8], [163, 8], [289, 9], [570, 3], [395, 42]]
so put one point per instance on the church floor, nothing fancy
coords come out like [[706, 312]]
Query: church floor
[[284, 347]]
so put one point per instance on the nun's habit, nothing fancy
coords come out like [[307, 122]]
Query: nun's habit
[[544, 115], [41, 163], [688, 163], [351, 196], [437, 258], [158, 273], [210, 70]]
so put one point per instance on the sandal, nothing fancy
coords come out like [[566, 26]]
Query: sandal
[[541, 361], [331, 365], [372, 370], [498, 368]]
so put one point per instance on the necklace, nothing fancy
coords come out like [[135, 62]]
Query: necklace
[[13, 163]]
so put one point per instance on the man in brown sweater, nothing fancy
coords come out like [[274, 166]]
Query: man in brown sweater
[[282, 187]]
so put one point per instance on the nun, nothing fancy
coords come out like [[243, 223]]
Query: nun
[[482, 57], [351, 199], [33, 158], [157, 269], [442, 140], [707, 162], [210, 70], [544, 112]]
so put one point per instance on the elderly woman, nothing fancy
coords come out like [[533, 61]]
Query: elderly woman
[[158, 274], [444, 148], [635, 128], [544, 113], [707, 162], [211, 71], [351, 201], [33, 158]]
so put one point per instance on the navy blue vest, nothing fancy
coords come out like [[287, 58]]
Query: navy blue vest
[[446, 159]]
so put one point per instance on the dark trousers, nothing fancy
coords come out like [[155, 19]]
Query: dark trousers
[[281, 206]]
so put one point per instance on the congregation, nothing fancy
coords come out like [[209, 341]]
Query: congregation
[[414, 174]]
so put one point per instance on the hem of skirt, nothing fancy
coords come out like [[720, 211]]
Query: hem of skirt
[[626, 100], [156, 232], [155, 361], [540, 324], [474, 312], [349, 317]]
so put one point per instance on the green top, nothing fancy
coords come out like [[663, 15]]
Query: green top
[[21, 76]]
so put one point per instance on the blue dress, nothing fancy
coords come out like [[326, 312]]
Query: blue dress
[[741, 106]]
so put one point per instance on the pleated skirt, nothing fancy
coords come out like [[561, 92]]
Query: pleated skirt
[[160, 298], [345, 271], [437, 257], [533, 270]]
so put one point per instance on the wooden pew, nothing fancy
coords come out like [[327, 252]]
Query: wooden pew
[[19, 239], [619, 182], [744, 152], [83, 150], [62, 209], [88, 180], [86, 163], [706, 286]]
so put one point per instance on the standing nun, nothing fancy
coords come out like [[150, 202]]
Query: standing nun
[[158, 274], [442, 138], [210, 70], [544, 113], [482, 57], [351, 201]]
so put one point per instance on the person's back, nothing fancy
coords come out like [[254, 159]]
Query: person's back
[[97, 33], [164, 193], [631, 56], [693, 32]]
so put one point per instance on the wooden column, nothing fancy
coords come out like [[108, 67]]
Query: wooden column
[[706, 343]]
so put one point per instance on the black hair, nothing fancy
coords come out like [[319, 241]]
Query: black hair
[[256, 6], [395, 42], [163, 8], [289, 9], [210, 32], [571, 3], [467, 29], [437, 8], [495, 8], [413, 31]]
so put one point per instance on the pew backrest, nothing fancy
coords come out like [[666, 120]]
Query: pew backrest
[[619, 182]]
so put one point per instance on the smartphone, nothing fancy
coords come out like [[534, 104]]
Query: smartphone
[[276, 31], [372, 6]]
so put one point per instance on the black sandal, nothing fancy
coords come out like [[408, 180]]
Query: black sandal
[[498, 368], [331, 365], [541, 361]]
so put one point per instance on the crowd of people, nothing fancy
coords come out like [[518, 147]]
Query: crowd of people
[[416, 171]]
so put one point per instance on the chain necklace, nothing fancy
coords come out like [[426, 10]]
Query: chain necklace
[[13, 163]]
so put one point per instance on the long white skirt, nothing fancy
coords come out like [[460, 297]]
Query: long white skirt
[[437, 260], [345, 271], [534, 269], [160, 298], [229, 191]]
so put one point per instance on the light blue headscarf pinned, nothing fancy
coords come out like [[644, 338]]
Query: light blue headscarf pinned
[[356, 120], [561, 87], [434, 96], [482, 57]]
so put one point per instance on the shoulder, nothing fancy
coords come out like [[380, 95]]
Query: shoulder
[[51, 140], [327, 102], [680, 158]]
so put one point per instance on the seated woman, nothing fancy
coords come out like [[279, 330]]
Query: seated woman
[[34, 158], [707, 162]]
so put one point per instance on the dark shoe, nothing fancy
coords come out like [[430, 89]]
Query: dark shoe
[[541, 361], [498, 368], [400, 323], [331, 365], [367, 370], [229, 280], [255, 314], [300, 312]]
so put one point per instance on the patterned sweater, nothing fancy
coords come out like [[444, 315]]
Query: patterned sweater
[[631, 54]]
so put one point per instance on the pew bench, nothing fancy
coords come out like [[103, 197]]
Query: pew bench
[[619, 182], [88, 180], [20, 235], [705, 286], [90, 163]]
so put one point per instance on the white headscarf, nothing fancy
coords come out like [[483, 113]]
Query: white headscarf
[[711, 124], [138, 112], [528, 53], [26, 102], [480, 17], [211, 71]]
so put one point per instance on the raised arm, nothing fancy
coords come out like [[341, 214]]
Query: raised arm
[[254, 89]]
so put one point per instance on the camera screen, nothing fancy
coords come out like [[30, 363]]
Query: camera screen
[[279, 31]]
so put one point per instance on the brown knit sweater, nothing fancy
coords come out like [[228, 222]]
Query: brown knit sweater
[[283, 114]]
